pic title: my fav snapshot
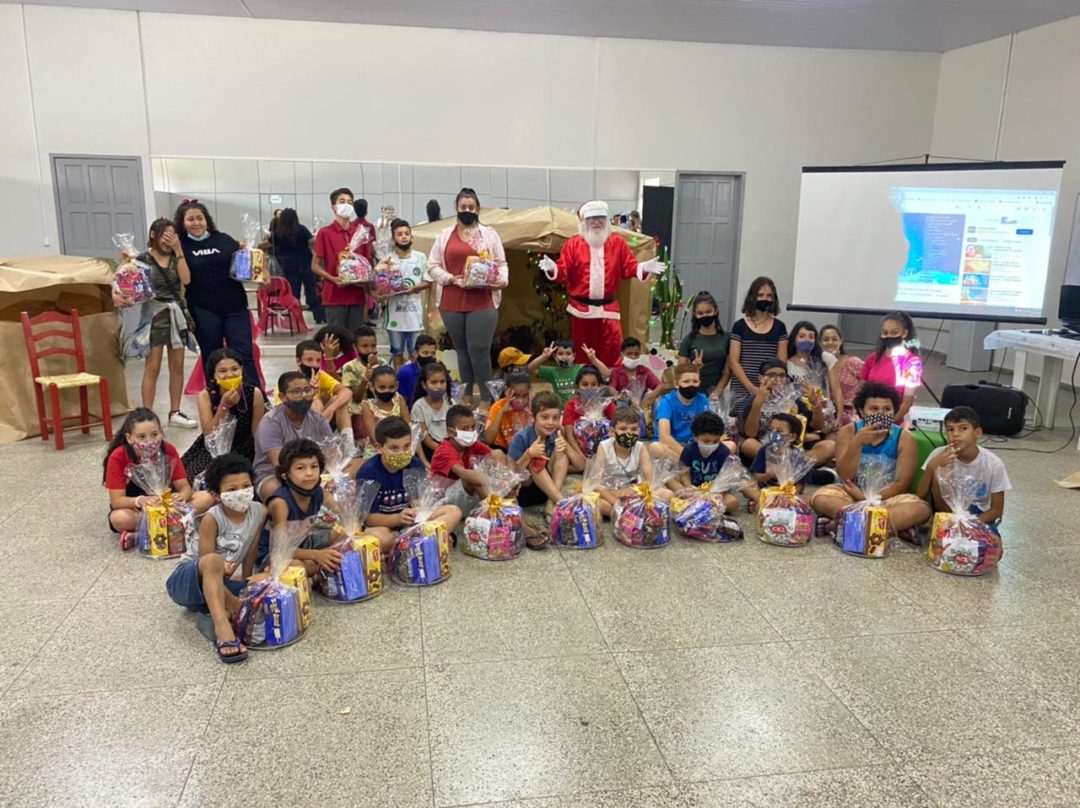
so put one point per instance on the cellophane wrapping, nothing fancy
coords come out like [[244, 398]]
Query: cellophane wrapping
[[816, 378], [421, 553], [354, 268], [959, 543], [164, 529], [593, 426], [643, 519], [494, 530], [133, 278], [219, 441], [388, 278], [249, 262], [276, 611], [724, 406], [784, 517], [338, 451], [863, 528], [480, 271], [699, 513], [576, 520], [360, 575]]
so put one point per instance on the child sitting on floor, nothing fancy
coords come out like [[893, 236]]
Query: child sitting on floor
[[625, 459], [546, 455], [587, 389], [384, 400], [409, 374], [432, 407], [203, 580], [783, 427], [510, 414], [676, 411], [354, 374]]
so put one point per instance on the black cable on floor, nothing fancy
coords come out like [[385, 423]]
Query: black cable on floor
[[1072, 423]]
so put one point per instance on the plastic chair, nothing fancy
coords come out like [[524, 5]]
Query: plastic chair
[[67, 331], [277, 304]]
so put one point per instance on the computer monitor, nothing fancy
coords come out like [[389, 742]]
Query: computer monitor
[[1069, 307]]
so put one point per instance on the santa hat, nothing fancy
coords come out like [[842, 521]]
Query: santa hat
[[596, 207]]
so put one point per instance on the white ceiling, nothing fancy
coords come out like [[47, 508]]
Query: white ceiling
[[913, 25]]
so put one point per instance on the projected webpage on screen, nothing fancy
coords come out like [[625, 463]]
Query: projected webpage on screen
[[974, 247]]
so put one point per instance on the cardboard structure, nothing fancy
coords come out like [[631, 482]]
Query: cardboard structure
[[56, 283], [545, 229]]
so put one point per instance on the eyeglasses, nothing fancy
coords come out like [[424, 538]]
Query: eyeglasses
[[296, 393]]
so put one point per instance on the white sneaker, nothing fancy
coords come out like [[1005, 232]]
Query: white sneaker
[[179, 419]]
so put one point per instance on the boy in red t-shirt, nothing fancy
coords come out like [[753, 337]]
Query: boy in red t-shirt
[[457, 456], [345, 304]]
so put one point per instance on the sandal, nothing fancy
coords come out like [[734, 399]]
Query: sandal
[[228, 659], [825, 527], [911, 536], [127, 540], [536, 538]]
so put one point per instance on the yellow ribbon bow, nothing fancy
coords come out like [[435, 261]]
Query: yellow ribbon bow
[[494, 503], [787, 488], [645, 491]]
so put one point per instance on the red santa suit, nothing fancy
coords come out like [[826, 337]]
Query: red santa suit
[[592, 276]]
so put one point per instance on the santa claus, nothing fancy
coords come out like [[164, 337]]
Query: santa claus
[[591, 266]]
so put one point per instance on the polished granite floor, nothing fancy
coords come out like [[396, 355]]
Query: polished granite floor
[[694, 675]]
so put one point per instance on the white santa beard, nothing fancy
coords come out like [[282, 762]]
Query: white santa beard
[[595, 238]]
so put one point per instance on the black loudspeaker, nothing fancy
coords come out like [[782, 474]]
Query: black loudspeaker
[[1001, 409]]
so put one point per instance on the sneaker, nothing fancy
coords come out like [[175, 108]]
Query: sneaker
[[179, 419]]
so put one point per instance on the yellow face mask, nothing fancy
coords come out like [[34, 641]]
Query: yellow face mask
[[228, 385], [398, 460]]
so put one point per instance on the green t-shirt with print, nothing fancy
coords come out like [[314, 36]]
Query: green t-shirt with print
[[564, 380]]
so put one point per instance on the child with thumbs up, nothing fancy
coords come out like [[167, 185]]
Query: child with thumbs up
[[544, 453]]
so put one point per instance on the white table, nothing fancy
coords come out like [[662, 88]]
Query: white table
[[1055, 350]]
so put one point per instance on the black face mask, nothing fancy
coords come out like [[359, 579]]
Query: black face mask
[[690, 391], [404, 247], [763, 305], [304, 492], [564, 363], [364, 358], [299, 407], [626, 440], [421, 361], [467, 217], [385, 396], [703, 322], [892, 342]]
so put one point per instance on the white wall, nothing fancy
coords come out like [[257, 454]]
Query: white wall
[[241, 88]]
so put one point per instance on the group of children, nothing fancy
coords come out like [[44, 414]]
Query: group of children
[[273, 474]]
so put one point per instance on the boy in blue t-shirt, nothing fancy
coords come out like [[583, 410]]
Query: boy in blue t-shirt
[[409, 373], [675, 413], [705, 454], [392, 508]]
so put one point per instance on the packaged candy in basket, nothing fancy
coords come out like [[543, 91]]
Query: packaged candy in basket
[[277, 611], [642, 519], [338, 451], [576, 520], [249, 262], [815, 383], [164, 528], [699, 513], [724, 406], [784, 517], [132, 279], [480, 271], [784, 398], [421, 554], [593, 426], [352, 267], [388, 278], [218, 442], [360, 575], [863, 528], [494, 529], [959, 543]]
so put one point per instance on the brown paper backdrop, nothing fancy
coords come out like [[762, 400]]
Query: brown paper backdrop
[[56, 283], [545, 229]]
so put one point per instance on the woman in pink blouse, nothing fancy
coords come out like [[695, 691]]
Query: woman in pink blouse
[[896, 361], [470, 314]]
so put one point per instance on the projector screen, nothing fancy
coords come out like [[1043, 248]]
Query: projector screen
[[956, 240]]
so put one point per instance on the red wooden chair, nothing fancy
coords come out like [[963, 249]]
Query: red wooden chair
[[67, 331], [278, 305]]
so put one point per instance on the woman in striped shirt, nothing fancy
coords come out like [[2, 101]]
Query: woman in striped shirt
[[755, 338]]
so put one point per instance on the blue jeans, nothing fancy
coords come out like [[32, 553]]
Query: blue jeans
[[213, 331], [402, 342]]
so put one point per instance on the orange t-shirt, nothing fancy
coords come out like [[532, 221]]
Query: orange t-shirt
[[512, 422]]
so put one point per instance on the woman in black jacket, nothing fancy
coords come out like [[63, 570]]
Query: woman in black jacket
[[291, 242]]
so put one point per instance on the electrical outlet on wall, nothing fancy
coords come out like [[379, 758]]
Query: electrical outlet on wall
[[45, 242]]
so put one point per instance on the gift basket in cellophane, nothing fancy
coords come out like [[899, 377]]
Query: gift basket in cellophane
[[421, 553], [699, 513], [481, 271], [249, 262], [132, 278], [593, 426], [863, 528], [643, 519], [218, 441], [494, 530], [359, 576], [959, 543], [354, 268], [784, 516], [576, 520], [165, 525], [276, 610]]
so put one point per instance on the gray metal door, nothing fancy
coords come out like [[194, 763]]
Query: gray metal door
[[705, 247], [97, 197]]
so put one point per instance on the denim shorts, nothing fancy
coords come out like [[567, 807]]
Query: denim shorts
[[402, 342], [184, 588]]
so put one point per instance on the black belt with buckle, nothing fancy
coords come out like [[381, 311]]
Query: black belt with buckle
[[593, 301]]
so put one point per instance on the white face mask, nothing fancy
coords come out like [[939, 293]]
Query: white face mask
[[345, 211], [239, 500], [465, 437], [706, 449], [631, 364]]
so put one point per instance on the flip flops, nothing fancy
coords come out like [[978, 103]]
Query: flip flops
[[228, 659], [127, 540]]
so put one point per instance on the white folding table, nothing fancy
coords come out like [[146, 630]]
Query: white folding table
[[1055, 349]]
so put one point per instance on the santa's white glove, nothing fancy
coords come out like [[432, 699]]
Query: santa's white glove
[[653, 267], [549, 267]]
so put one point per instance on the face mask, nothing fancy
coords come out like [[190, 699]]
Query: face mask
[[590, 394], [421, 361], [627, 440], [804, 347], [239, 500], [438, 395], [385, 396], [467, 217], [404, 247], [564, 363], [704, 322], [892, 342], [345, 211], [304, 492], [230, 384], [465, 437], [364, 358], [299, 407], [398, 460], [201, 237], [763, 305], [631, 364], [774, 437], [878, 419], [706, 449], [517, 404], [147, 450], [689, 391]]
